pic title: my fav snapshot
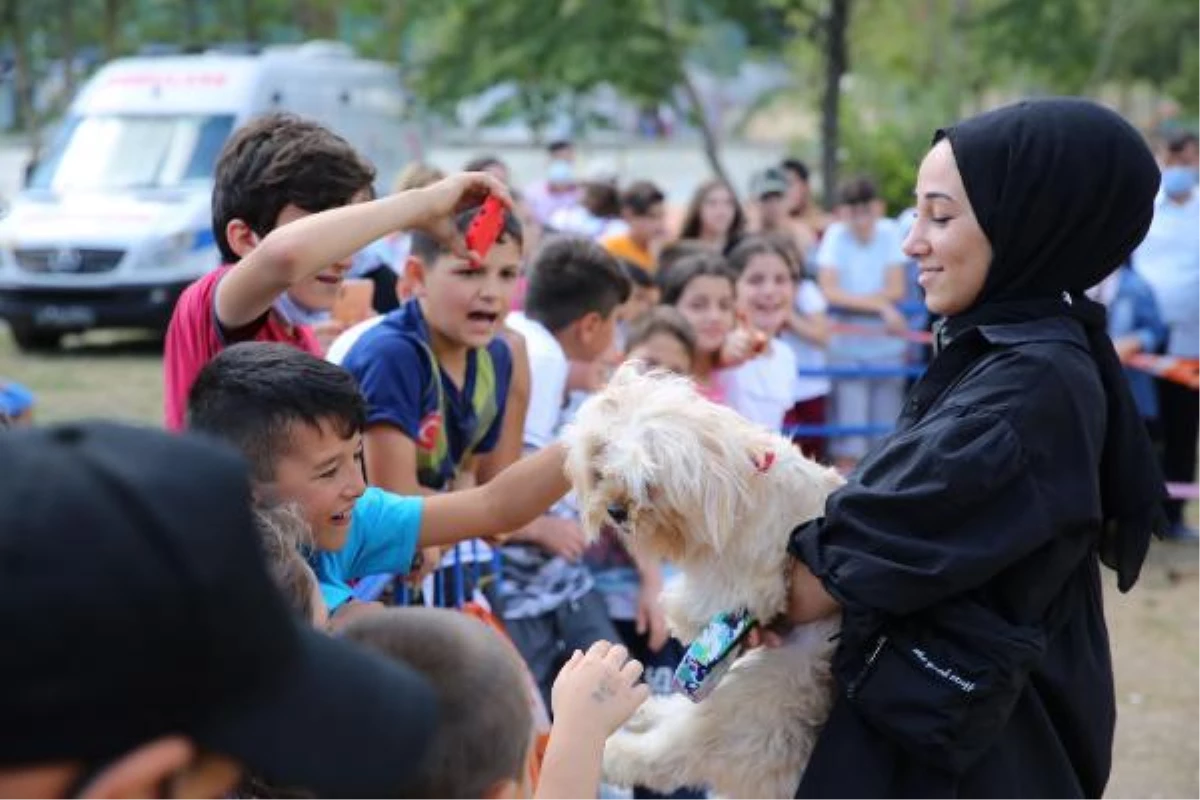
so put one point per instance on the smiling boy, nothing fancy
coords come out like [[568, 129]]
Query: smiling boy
[[299, 421]]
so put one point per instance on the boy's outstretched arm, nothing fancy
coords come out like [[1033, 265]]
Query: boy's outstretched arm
[[593, 696], [511, 500], [301, 249]]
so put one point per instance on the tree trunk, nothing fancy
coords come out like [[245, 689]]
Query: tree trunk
[[836, 64], [712, 145], [66, 10], [1114, 23], [191, 23], [959, 13], [112, 12], [250, 21], [22, 78], [317, 18]]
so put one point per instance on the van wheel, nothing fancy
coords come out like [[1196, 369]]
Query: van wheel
[[31, 339]]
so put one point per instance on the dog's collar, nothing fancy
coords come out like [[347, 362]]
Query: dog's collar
[[712, 653], [764, 462]]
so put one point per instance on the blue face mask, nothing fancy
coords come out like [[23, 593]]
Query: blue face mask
[[296, 314], [1178, 181]]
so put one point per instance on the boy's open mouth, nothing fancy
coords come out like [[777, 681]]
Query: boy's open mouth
[[331, 280], [489, 317]]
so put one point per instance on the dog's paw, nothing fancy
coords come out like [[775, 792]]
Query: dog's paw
[[623, 764], [643, 719]]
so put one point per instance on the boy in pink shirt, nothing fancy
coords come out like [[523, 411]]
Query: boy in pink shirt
[[288, 217]]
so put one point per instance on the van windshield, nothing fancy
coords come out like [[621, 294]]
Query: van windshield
[[113, 151]]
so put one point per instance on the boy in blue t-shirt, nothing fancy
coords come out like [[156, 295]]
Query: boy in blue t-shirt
[[299, 421], [436, 375]]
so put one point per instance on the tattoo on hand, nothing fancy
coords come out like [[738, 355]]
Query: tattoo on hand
[[602, 692]]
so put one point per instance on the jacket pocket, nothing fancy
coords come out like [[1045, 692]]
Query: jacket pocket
[[942, 684]]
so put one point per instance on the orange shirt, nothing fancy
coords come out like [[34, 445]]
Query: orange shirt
[[624, 247]]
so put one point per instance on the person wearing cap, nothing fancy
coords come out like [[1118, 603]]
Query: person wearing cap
[[147, 652], [770, 214]]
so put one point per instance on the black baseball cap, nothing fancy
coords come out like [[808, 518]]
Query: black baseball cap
[[135, 603]]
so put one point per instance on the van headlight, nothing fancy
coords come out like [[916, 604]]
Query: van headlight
[[167, 251]]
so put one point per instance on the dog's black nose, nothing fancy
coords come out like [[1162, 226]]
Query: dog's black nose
[[619, 514]]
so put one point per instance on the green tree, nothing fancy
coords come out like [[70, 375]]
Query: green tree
[[557, 51]]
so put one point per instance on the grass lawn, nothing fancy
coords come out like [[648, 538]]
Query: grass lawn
[[115, 375]]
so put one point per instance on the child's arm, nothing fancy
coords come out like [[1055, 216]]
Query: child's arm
[[827, 277], [593, 696], [813, 328], [301, 249], [391, 458], [511, 500]]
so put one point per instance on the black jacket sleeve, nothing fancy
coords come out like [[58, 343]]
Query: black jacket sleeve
[[971, 489]]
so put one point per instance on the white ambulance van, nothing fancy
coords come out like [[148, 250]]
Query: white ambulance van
[[115, 219]]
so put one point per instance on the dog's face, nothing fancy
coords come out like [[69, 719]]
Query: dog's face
[[670, 472]]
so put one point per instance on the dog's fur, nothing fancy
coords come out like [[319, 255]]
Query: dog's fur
[[689, 477]]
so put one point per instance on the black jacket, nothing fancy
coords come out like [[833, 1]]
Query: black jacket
[[974, 658]]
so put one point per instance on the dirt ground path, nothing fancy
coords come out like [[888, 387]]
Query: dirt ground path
[[1154, 640]]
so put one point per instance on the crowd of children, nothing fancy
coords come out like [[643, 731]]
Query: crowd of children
[[419, 440]]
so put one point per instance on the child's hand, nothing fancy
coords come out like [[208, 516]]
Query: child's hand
[[425, 564], [447, 198], [594, 694], [742, 344], [1127, 346], [893, 320], [560, 536]]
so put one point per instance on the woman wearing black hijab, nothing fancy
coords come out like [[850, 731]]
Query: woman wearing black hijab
[[964, 553]]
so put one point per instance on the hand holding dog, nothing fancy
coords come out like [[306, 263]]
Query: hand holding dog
[[807, 602]]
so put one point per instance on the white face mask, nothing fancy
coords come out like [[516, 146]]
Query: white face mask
[[295, 314]]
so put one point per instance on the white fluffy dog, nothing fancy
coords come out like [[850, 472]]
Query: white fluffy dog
[[695, 483]]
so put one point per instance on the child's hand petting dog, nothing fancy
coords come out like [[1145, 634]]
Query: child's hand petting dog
[[595, 693]]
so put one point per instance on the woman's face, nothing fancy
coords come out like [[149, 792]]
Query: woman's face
[[950, 248], [717, 211], [707, 303]]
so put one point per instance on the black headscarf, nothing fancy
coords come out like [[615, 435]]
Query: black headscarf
[[1064, 190]]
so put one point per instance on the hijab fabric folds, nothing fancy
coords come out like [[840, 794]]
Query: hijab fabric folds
[[1064, 190]]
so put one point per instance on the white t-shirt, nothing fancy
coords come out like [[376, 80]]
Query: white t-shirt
[[862, 268], [764, 388], [342, 344], [548, 369], [809, 300]]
